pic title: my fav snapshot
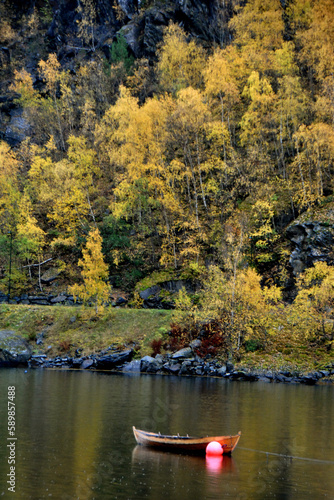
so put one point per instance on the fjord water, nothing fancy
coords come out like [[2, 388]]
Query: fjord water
[[75, 441]]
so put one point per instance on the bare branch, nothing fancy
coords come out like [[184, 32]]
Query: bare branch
[[40, 264]]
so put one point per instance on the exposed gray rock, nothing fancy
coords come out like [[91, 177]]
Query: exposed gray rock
[[33, 363], [221, 371], [195, 344], [14, 349], [40, 300], [313, 241], [198, 17], [129, 7], [243, 375], [50, 275], [132, 367], [155, 22], [199, 370], [172, 369], [187, 352], [150, 365], [121, 301], [185, 367], [148, 292], [37, 360], [112, 360], [131, 33], [309, 379], [87, 363], [59, 299], [18, 127], [205, 368], [76, 362], [155, 296], [262, 378], [147, 359]]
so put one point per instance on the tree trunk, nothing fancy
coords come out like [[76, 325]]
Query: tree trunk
[[39, 274]]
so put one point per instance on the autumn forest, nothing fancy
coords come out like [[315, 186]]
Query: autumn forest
[[187, 165]]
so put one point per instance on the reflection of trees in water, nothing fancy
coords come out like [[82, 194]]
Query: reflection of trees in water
[[75, 437]]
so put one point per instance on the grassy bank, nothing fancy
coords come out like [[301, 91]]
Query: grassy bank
[[66, 329]]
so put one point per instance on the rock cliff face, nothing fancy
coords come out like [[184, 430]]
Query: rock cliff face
[[162, 295], [206, 20], [312, 240], [56, 31]]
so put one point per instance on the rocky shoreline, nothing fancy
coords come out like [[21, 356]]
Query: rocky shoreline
[[16, 352], [177, 365]]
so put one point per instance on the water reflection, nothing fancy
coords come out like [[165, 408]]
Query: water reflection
[[143, 454], [75, 437], [199, 476], [214, 465]]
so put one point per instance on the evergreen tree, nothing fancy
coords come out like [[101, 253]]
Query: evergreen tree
[[119, 53]]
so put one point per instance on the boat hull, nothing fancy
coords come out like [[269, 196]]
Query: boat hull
[[184, 444]]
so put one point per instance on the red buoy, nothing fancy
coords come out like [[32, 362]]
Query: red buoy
[[214, 449]]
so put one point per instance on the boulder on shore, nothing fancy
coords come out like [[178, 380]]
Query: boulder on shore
[[14, 349], [110, 361]]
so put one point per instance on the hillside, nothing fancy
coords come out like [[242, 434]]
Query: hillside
[[195, 137]]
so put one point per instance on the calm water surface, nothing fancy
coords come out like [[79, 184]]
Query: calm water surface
[[75, 441]]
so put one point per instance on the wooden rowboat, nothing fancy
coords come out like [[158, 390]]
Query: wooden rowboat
[[184, 444]]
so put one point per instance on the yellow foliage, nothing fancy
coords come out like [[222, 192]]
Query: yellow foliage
[[258, 121], [258, 32], [311, 314], [247, 310], [180, 62], [318, 38], [32, 237], [315, 158], [262, 215], [94, 273], [84, 160], [50, 70], [8, 162], [293, 102], [219, 78], [23, 85], [9, 189], [65, 188], [7, 34], [285, 60]]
